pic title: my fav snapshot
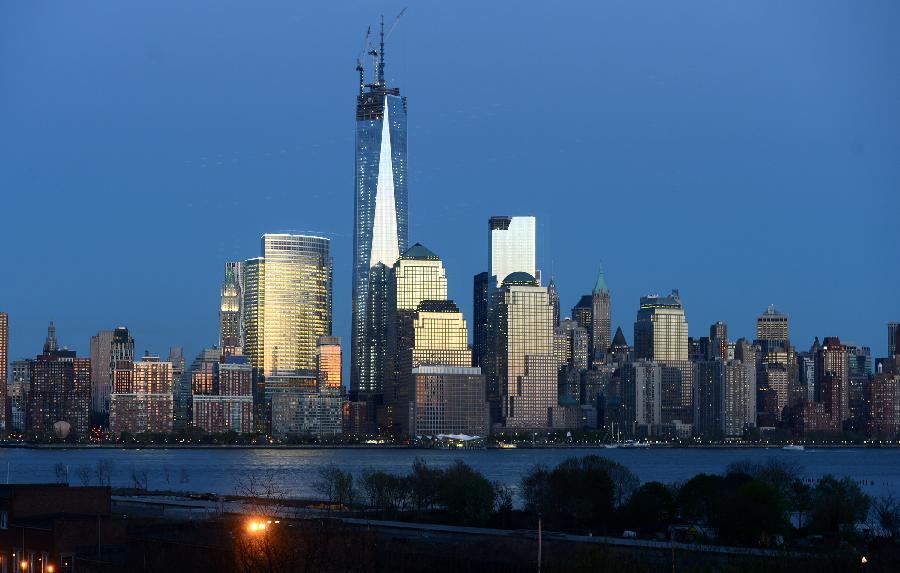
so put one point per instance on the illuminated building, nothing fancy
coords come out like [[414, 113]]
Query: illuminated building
[[60, 390], [526, 367], [448, 400], [380, 223], [4, 365], [329, 363], [601, 319], [230, 334], [661, 331], [831, 361], [143, 401], [553, 295], [229, 406], [101, 371], [18, 393], [512, 247]]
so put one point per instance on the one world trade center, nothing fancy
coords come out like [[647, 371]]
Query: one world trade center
[[380, 221]]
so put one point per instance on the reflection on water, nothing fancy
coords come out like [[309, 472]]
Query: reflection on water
[[214, 470]]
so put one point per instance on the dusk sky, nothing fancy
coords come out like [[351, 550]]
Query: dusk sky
[[746, 153]]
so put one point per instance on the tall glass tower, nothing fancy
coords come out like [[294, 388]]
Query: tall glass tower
[[380, 221]]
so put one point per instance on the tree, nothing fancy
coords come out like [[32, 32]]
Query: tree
[[837, 503], [84, 475], [62, 472], [335, 485], [466, 493], [385, 492], [577, 494], [751, 514], [649, 509], [424, 485], [103, 470], [886, 512]]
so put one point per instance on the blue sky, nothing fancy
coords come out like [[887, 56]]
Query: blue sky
[[743, 152]]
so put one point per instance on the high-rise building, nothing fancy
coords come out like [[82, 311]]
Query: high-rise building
[[287, 304], [893, 335], [553, 295], [380, 222], [708, 399], [143, 401], [253, 292], [771, 326], [418, 275], [583, 314], [831, 361], [181, 388], [525, 365], [480, 306], [641, 397], [512, 248], [101, 372], [884, 411], [718, 342], [60, 390], [601, 318], [18, 393], [4, 365], [571, 345], [448, 400], [661, 331], [328, 363], [230, 334], [738, 398], [230, 405]]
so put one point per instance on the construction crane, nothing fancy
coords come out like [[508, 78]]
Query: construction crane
[[359, 65]]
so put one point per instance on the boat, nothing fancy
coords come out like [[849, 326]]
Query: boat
[[507, 446], [794, 447]]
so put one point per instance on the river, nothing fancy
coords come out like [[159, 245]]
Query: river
[[216, 470]]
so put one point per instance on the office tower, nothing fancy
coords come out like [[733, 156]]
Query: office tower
[[122, 347], [583, 313], [380, 222], [806, 375], [601, 319], [738, 398], [198, 380], [230, 335], [553, 295], [893, 336], [328, 362], [660, 332], [448, 400], [571, 345], [859, 372], [512, 248], [418, 275], [708, 398], [641, 397], [142, 401], [253, 303], [775, 377], [526, 366], [101, 373], [884, 410], [229, 407], [181, 388], [718, 342], [4, 373], [60, 391], [480, 304], [771, 328], [18, 393], [831, 360], [297, 302]]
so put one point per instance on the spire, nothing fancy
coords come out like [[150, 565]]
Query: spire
[[380, 80], [619, 339], [50, 344], [600, 285]]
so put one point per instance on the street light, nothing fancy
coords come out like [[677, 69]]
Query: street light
[[23, 565]]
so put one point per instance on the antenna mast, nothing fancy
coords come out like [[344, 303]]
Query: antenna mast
[[380, 80]]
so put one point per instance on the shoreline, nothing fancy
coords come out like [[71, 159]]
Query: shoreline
[[394, 447]]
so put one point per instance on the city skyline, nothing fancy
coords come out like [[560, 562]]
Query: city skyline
[[183, 308]]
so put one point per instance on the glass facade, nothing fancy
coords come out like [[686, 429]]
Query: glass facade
[[526, 366], [230, 334], [512, 246], [287, 303], [380, 227], [448, 400], [329, 363], [661, 331]]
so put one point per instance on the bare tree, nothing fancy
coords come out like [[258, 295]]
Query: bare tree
[[104, 471], [62, 472], [886, 513], [139, 479], [264, 494], [84, 475]]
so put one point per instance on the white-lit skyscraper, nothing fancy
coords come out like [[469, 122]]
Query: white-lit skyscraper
[[512, 247], [380, 221]]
